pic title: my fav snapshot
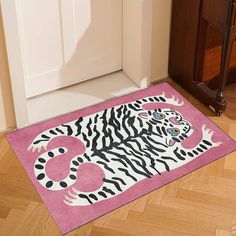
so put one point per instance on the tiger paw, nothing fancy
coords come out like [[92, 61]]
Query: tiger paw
[[37, 147], [173, 100], [77, 198], [207, 135], [40, 143]]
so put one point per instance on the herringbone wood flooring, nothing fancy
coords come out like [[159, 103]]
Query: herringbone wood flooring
[[201, 203]]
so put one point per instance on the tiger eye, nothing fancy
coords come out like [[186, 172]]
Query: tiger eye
[[176, 130], [162, 115]]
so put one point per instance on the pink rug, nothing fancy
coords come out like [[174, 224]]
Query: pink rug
[[89, 162]]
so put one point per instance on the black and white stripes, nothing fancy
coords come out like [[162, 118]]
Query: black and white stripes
[[128, 143]]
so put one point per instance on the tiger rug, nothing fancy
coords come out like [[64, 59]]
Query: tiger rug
[[135, 143]]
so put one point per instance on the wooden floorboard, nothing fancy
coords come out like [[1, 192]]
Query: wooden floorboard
[[200, 203]]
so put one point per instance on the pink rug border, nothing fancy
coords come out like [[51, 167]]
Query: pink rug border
[[16, 140]]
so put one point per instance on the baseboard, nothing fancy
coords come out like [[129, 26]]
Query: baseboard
[[7, 129], [159, 79]]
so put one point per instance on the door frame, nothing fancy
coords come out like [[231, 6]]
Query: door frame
[[137, 41]]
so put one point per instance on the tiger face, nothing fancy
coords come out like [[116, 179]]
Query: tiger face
[[169, 124]]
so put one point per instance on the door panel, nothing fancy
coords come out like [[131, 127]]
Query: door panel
[[54, 44], [40, 36], [68, 41]]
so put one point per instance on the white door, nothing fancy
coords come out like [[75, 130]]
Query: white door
[[68, 41], [57, 43]]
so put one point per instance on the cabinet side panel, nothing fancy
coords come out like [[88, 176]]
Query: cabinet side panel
[[183, 40]]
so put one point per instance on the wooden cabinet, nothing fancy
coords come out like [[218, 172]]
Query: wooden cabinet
[[201, 44]]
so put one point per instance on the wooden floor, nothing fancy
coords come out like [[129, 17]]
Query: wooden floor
[[201, 203]]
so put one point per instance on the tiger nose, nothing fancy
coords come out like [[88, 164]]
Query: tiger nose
[[169, 130], [174, 121]]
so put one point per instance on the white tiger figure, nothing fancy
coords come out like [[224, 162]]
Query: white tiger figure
[[127, 142]]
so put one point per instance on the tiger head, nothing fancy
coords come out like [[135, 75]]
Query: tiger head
[[169, 124]]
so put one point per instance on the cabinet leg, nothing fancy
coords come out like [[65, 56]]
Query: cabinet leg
[[226, 53], [218, 113]]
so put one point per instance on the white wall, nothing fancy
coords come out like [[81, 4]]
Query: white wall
[[7, 116], [160, 38]]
